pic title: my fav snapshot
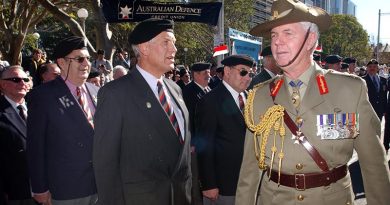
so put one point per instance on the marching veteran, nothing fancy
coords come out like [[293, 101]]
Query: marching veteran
[[303, 125]]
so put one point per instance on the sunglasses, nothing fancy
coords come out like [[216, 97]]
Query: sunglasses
[[243, 73], [18, 80], [79, 59]]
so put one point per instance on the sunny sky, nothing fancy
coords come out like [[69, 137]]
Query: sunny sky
[[367, 15]]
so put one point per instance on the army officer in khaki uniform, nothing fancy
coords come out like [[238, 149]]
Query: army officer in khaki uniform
[[304, 124]]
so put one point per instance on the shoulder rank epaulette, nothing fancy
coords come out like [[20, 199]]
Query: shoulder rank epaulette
[[333, 72]]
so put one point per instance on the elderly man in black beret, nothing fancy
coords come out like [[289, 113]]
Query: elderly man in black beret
[[351, 61], [304, 125], [270, 68], [333, 62], [220, 131], [60, 130], [142, 140], [192, 93]]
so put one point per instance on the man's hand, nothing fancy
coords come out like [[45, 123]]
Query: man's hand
[[212, 194], [43, 198]]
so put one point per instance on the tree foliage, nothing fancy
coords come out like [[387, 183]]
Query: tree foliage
[[346, 37]]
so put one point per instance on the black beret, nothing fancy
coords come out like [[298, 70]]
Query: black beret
[[266, 51], [372, 61], [349, 60], [93, 73], [316, 57], [344, 65], [332, 59], [148, 29], [67, 45], [200, 66], [219, 69], [239, 59]]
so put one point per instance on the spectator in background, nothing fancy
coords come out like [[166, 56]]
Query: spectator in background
[[3, 63], [214, 81], [270, 68], [48, 72], [119, 71], [94, 77], [103, 65], [32, 64], [184, 78], [14, 177], [317, 59], [122, 58]]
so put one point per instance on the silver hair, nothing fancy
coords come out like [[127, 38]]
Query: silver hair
[[6, 70], [135, 50], [119, 67], [314, 29]]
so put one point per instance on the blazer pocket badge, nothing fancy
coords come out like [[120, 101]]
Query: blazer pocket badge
[[338, 126], [65, 101]]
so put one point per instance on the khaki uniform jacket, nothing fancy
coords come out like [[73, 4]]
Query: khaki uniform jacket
[[347, 94]]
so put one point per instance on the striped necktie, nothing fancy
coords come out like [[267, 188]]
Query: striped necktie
[[168, 109], [241, 102], [84, 105]]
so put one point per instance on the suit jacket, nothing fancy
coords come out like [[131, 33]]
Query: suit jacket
[[219, 139], [192, 93], [138, 158], [59, 143], [377, 99], [340, 98], [261, 77], [13, 160], [214, 81]]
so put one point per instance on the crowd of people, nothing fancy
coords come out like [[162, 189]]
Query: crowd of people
[[142, 131]]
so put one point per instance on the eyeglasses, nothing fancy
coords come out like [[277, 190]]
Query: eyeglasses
[[80, 59], [18, 80], [244, 72]]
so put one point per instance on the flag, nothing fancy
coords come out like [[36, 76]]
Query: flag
[[220, 50], [319, 48]]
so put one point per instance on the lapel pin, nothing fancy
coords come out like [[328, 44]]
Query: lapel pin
[[148, 105]]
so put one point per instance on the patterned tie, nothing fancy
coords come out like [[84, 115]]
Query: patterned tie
[[241, 102], [84, 105], [376, 83], [295, 96], [22, 114], [168, 109]]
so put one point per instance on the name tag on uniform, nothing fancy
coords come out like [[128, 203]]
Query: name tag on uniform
[[338, 126]]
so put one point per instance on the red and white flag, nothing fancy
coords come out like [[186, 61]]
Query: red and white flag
[[220, 50], [319, 48]]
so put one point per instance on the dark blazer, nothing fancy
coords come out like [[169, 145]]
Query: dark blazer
[[219, 140], [181, 84], [13, 161], [59, 143], [214, 82], [138, 157], [378, 100], [192, 93], [259, 78]]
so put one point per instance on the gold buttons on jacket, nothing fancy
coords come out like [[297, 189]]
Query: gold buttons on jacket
[[300, 197], [299, 166]]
